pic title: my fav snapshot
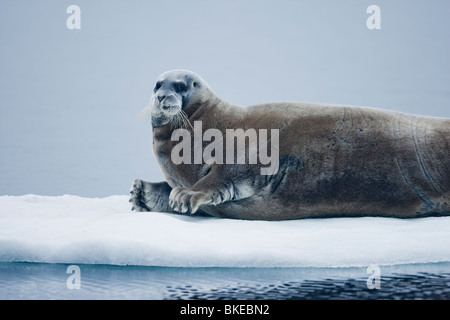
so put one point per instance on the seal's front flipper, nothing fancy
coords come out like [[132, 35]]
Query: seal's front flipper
[[148, 196], [187, 201], [208, 191]]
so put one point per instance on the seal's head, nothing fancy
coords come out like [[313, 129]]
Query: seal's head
[[173, 92]]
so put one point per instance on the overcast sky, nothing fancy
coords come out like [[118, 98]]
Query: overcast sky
[[69, 98]]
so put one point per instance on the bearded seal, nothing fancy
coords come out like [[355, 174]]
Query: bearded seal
[[333, 160]]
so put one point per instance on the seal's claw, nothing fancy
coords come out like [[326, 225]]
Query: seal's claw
[[186, 201], [148, 196], [137, 197]]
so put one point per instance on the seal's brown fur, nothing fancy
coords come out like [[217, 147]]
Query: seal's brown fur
[[333, 161]]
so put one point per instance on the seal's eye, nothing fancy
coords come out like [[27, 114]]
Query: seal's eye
[[180, 87], [158, 85]]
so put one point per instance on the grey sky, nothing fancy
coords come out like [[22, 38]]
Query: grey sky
[[69, 98]]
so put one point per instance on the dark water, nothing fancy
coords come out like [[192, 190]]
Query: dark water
[[49, 281], [423, 286]]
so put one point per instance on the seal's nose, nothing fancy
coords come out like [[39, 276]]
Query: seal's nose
[[160, 98]]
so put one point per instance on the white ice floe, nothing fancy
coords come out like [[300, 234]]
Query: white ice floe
[[72, 229]]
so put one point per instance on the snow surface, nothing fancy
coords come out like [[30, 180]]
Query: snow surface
[[72, 229]]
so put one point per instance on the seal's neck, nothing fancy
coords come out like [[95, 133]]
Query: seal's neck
[[196, 110]]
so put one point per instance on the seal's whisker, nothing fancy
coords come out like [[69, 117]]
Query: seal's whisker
[[145, 114], [179, 121], [175, 122], [186, 119]]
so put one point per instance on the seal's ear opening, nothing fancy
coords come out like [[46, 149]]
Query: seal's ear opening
[[195, 84]]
